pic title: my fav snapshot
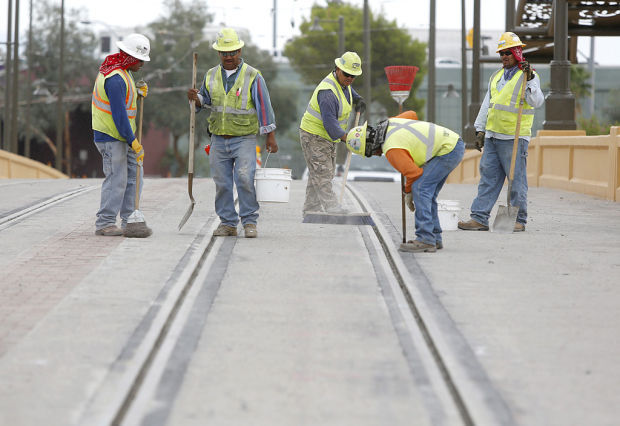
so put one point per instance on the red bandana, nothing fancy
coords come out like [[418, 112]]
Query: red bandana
[[517, 52], [118, 60]]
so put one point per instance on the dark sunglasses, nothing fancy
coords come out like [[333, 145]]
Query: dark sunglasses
[[505, 53], [233, 53], [348, 75]]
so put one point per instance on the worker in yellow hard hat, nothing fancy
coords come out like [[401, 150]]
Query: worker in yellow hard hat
[[425, 154], [323, 125], [238, 99], [496, 127]]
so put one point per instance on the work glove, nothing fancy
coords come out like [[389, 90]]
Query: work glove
[[360, 106], [142, 88], [479, 142], [525, 67], [409, 201], [137, 148]]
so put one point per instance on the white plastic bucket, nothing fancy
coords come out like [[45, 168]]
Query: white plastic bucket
[[272, 185], [448, 212]]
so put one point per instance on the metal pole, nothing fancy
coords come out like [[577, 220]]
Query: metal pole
[[474, 104], [592, 80], [341, 35], [15, 82], [510, 15], [6, 137], [367, 62], [560, 102], [28, 87], [431, 64], [463, 70], [275, 6], [59, 108]]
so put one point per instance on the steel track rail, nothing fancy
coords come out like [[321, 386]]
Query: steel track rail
[[13, 217], [472, 393]]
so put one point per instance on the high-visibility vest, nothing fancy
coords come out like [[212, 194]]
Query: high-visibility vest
[[504, 106], [423, 140], [312, 122], [232, 113], [101, 111]]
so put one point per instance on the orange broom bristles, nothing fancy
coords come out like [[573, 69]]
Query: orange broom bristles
[[400, 77]]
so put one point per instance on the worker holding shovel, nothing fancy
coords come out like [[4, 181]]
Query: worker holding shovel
[[496, 129], [425, 154], [323, 124], [114, 107], [237, 96]]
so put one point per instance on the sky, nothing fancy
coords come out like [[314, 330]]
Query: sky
[[258, 18]]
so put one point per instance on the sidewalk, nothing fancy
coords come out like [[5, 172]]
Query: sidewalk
[[538, 308]]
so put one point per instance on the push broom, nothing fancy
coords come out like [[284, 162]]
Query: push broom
[[400, 79], [136, 225]]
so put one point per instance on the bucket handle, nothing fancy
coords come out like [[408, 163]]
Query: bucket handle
[[268, 154]]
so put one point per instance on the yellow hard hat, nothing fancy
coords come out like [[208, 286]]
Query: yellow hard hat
[[350, 63], [508, 40], [227, 41], [356, 139]]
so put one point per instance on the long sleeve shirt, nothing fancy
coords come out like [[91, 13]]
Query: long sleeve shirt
[[116, 90], [260, 97], [401, 160], [533, 96], [328, 103]]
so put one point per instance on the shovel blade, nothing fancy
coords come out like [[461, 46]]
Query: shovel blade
[[188, 213], [505, 220]]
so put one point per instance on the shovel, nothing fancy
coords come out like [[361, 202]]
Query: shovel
[[190, 163], [507, 215]]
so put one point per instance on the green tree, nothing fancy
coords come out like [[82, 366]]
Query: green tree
[[312, 53], [79, 69], [579, 85]]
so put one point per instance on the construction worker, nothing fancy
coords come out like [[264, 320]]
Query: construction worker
[[425, 154], [240, 106], [323, 125], [496, 125], [114, 106]]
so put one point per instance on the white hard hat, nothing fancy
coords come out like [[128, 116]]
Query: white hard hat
[[135, 45]]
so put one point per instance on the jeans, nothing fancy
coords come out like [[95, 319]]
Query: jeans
[[494, 167], [118, 190], [234, 160], [426, 189]]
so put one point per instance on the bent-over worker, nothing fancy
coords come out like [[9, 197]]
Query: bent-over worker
[[425, 154]]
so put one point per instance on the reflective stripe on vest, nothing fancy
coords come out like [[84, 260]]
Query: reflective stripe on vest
[[102, 119], [236, 102], [312, 122], [504, 106], [101, 101], [423, 140]]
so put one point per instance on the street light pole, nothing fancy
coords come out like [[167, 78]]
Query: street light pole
[[6, 143], [13, 142], [59, 108], [341, 35], [367, 61]]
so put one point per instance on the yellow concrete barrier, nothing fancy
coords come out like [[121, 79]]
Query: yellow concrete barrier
[[14, 166], [563, 159]]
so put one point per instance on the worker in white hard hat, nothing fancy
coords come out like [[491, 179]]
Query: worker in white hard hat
[[237, 96], [114, 106], [323, 125], [496, 127], [425, 154]]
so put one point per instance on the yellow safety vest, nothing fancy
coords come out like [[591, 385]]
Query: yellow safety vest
[[504, 106], [312, 122], [101, 111], [232, 113], [421, 139]]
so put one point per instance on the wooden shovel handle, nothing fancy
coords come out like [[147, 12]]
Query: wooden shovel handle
[[515, 145]]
